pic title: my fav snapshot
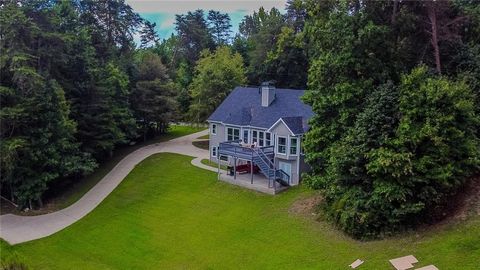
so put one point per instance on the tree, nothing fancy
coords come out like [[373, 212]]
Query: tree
[[219, 25], [296, 14], [148, 35], [216, 74], [194, 35], [287, 63], [153, 100], [261, 31]]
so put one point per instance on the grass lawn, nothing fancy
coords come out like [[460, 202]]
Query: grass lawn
[[168, 214], [212, 164], [65, 196], [204, 137], [202, 144]]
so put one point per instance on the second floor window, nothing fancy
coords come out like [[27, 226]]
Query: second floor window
[[245, 136], [214, 129], [293, 146], [282, 145], [254, 136], [233, 134], [268, 139]]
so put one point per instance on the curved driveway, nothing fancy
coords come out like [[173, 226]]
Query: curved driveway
[[18, 229]]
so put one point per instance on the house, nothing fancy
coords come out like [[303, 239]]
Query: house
[[262, 126]]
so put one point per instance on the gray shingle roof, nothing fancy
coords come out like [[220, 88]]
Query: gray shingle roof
[[296, 124], [243, 107]]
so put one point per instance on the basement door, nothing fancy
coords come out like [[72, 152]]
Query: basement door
[[286, 167]]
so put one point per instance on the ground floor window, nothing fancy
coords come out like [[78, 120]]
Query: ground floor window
[[261, 139], [214, 151], [233, 134], [254, 136], [282, 145]]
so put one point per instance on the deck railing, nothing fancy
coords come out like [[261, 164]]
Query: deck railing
[[265, 153]]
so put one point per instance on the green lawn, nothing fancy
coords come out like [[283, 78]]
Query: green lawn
[[168, 214], [212, 164], [204, 137], [202, 144], [65, 196]]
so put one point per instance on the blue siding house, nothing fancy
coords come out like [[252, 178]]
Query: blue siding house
[[259, 130]]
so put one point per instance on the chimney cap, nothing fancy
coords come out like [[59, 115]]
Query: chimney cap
[[268, 83]]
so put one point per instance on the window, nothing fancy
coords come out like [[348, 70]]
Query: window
[[268, 139], [214, 129], [214, 151], [233, 134], [245, 136], [293, 146], [282, 145], [261, 141], [254, 136]]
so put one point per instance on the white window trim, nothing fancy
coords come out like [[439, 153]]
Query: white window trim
[[278, 144], [269, 140], [212, 130], [290, 146], [233, 133], [243, 135]]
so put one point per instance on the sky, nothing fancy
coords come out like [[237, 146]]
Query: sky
[[162, 12]]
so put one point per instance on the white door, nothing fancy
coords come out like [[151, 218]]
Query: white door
[[286, 167]]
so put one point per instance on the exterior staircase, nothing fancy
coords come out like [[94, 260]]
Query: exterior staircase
[[267, 167], [262, 157]]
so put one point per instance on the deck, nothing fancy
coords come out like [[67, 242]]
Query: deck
[[235, 149]]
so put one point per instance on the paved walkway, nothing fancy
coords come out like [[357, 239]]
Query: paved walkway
[[18, 229]]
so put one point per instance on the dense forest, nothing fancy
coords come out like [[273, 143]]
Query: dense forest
[[395, 87]]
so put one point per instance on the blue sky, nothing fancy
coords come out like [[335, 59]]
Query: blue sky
[[162, 12]]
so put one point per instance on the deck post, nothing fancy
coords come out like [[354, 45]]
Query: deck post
[[218, 162], [251, 170], [235, 168], [274, 185]]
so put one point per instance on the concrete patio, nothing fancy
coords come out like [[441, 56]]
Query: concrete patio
[[260, 182]]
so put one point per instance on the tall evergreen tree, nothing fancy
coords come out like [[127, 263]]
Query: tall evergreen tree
[[194, 35], [148, 35], [153, 99], [220, 27]]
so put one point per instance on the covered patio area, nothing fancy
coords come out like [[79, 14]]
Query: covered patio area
[[260, 182]]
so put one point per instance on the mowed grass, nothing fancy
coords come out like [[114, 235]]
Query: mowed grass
[[168, 214], [213, 164]]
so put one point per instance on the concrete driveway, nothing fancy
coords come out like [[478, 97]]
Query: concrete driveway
[[18, 229]]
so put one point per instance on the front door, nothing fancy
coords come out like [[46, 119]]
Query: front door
[[286, 167]]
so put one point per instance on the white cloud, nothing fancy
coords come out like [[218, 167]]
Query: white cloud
[[182, 6]]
